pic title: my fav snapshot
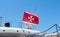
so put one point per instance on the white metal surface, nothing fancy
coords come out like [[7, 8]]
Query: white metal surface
[[17, 30]]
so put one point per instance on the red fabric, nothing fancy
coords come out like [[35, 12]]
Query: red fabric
[[30, 18]]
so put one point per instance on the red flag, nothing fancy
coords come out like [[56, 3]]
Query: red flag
[[30, 18]]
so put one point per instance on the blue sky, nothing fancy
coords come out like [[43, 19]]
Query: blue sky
[[48, 12]]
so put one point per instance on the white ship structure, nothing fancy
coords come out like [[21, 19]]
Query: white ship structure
[[17, 32], [29, 20]]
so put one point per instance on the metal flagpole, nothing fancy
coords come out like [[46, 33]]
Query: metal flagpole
[[57, 31]]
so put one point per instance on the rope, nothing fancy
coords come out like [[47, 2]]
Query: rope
[[51, 28], [48, 29]]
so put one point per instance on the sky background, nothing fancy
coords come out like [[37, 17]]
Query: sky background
[[48, 12]]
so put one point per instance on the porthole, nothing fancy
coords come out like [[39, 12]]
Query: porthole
[[23, 30], [28, 31], [3, 30], [17, 31]]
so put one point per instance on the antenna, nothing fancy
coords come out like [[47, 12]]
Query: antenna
[[35, 10], [0, 20], [35, 7]]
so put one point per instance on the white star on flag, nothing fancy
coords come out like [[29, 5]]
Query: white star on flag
[[30, 18]]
